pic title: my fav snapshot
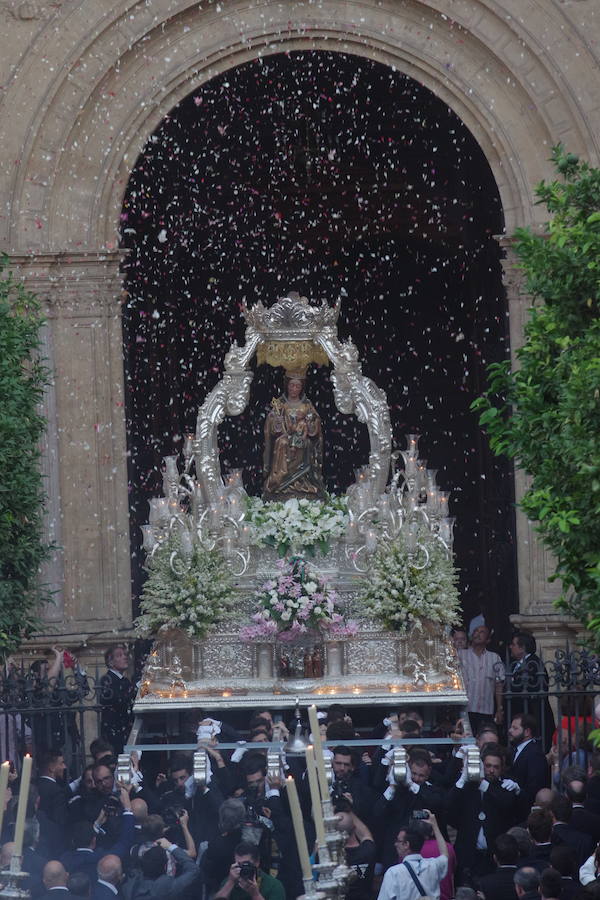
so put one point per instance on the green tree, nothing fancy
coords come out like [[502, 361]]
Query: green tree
[[546, 413], [22, 380]]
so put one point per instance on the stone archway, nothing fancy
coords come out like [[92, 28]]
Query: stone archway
[[116, 74]]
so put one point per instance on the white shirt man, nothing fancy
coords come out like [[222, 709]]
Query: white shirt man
[[398, 882]]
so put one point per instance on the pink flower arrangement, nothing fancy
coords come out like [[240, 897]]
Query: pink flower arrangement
[[297, 602]]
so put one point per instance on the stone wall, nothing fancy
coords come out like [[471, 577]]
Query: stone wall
[[83, 84]]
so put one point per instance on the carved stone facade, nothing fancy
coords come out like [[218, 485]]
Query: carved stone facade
[[83, 85]]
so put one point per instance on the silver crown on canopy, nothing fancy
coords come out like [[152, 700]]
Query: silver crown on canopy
[[291, 317]]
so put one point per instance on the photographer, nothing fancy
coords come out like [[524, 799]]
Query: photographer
[[400, 801], [85, 855], [347, 784], [268, 822], [246, 881], [414, 876]]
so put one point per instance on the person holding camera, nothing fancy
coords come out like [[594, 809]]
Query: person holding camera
[[246, 881], [347, 784], [414, 876], [86, 854]]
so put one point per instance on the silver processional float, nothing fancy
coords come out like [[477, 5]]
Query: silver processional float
[[298, 597]]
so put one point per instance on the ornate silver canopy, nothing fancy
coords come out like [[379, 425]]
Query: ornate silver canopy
[[292, 322]]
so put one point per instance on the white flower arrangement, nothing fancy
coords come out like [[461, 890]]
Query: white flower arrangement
[[403, 596], [297, 602], [194, 597], [297, 526]]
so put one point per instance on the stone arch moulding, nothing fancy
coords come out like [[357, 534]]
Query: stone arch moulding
[[89, 128]]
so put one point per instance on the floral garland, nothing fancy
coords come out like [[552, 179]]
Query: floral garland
[[194, 595], [297, 526], [296, 603], [403, 596]]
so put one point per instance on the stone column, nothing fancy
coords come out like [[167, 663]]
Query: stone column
[[85, 459], [535, 564]]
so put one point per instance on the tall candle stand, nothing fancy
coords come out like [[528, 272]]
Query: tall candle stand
[[334, 874]]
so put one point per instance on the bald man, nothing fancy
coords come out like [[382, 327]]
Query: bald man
[[110, 876], [55, 878]]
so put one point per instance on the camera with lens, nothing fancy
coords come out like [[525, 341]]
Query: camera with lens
[[339, 788], [248, 871], [171, 815], [112, 806]]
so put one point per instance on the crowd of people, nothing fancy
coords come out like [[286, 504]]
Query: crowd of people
[[527, 826]]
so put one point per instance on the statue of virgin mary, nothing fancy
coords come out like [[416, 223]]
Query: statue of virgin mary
[[293, 455]]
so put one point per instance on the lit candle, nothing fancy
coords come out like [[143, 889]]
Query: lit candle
[[318, 751], [317, 811], [4, 770], [22, 807], [299, 829]]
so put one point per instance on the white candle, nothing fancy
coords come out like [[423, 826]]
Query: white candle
[[22, 807], [318, 751], [311, 770], [299, 829], [4, 770]]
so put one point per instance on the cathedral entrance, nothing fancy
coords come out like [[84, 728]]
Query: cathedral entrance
[[328, 174]]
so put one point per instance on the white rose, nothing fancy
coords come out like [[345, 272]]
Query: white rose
[[317, 610], [310, 587], [286, 615]]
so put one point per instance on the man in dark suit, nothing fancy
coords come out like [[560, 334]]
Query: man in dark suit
[[54, 796], [395, 806], [574, 780], [527, 882], [116, 697], [153, 883], [500, 885], [481, 812], [86, 855], [528, 680], [55, 878], [110, 876], [564, 833], [529, 765], [539, 826]]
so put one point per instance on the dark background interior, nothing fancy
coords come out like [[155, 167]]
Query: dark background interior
[[328, 174]]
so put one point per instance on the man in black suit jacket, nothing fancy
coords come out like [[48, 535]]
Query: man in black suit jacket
[[528, 680], [55, 878], [54, 796], [500, 885], [110, 876], [395, 806], [564, 833], [481, 812], [529, 765], [116, 697], [539, 826], [575, 783]]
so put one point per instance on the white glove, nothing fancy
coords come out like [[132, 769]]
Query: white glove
[[509, 785]]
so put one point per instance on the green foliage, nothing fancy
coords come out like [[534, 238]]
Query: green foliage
[[192, 594], [546, 414], [22, 381]]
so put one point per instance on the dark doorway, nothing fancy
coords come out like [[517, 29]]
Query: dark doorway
[[328, 174]]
